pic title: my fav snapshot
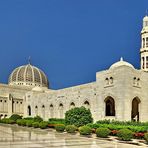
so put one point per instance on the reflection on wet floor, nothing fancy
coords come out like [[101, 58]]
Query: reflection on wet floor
[[21, 137]]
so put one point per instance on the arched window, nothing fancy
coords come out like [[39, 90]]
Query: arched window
[[86, 104], [111, 80], [51, 110], [72, 105], [61, 110], [143, 42], [138, 81], [106, 81], [135, 109], [134, 80], [43, 111], [29, 110], [109, 106], [36, 110]]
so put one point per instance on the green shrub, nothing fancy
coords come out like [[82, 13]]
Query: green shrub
[[125, 134], [71, 128], [37, 119], [78, 116], [102, 132], [60, 128], [22, 122], [43, 124], [15, 117], [56, 121], [146, 137], [85, 130], [28, 118], [29, 123], [35, 124], [18, 121]]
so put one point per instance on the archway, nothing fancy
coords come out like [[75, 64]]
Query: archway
[[109, 106], [135, 109], [36, 110], [61, 110], [72, 105], [86, 105], [43, 111], [29, 110], [51, 111]]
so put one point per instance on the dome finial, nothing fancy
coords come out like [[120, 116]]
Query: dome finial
[[121, 59], [29, 60]]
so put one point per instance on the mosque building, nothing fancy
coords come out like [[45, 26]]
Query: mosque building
[[119, 93]]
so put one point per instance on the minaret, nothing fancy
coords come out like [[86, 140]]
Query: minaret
[[144, 45]]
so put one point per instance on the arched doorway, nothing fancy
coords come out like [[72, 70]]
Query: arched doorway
[[135, 109], [109, 106], [29, 110]]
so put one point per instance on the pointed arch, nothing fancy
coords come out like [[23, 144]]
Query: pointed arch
[[29, 110], [109, 106], [61, 108], [135, 109], [36, 110], [72, 105], [43, 111], [86, 104], [51, 108]]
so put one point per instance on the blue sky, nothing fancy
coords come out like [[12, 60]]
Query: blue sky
[[70, 40]]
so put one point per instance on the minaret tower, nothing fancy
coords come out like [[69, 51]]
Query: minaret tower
[[144, 45]]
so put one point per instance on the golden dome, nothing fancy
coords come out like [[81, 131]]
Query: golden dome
[[28, 75]]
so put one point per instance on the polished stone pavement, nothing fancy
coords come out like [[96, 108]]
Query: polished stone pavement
[[21, 137]]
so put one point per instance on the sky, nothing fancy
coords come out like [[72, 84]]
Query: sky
[[70, 40]]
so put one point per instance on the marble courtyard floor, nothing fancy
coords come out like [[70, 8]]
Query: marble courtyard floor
[[21, 137]]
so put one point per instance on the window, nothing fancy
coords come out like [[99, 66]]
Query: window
[[111, 80], [143, 42], [109, 106], [147, 42]]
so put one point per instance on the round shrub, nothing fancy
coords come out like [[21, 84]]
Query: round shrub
[[37, 119], [102, 132], [146, 137], [35, 124], [15, 117], [125, 134], [43, 124], [78, 116], [29, 123], [71, 128], [60, 128], [85, 130]]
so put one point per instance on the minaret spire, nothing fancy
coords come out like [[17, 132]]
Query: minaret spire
[[144, 44]]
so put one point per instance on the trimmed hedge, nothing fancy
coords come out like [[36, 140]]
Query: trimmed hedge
[[85, 130], [102, 132], [35, 124], [125, 134], [43, 124], [71, 128], [60, 128]]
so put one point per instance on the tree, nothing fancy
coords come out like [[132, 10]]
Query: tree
[[78, 116]]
